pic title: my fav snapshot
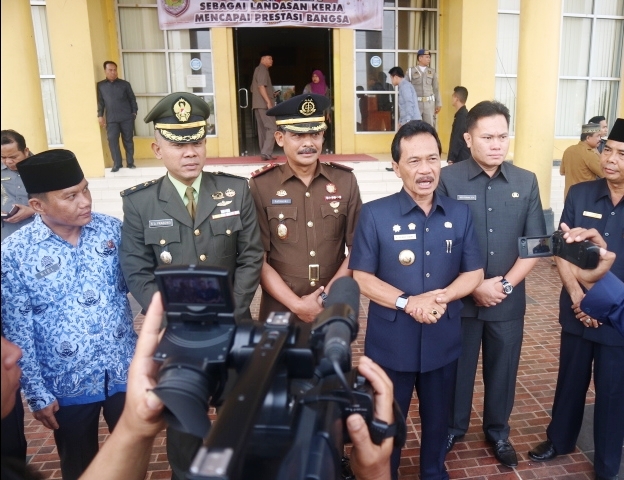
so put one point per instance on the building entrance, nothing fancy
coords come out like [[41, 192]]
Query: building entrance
[[296, 52]]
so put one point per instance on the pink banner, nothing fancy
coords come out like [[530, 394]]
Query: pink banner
[[189, 14]]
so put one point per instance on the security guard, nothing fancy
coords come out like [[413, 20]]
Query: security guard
[[307, 211], [425, 81], [188, 217]]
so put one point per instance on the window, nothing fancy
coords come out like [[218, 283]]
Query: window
[[46, 74], [507, 43], [158, 62], [408, 25], [590, 63]]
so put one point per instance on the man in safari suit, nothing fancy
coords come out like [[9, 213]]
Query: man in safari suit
[[188, 217], [425, 81]]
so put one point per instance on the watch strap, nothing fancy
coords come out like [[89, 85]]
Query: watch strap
[[380, 430], [404, 296]]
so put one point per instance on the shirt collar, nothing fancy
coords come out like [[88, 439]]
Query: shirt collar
[[287, 172], [41, 232], [407, 203], [474, 170], [181, 188], [603, 190]]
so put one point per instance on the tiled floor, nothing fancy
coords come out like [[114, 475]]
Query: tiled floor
[[471, 458]]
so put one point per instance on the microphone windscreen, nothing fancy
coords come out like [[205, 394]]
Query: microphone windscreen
[[345, 290]]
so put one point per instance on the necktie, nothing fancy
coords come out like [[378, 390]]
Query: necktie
[[191, 201]]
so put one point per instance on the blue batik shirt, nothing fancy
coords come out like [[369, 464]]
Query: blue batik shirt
[[68, 310]]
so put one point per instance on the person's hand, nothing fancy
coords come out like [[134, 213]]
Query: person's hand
[[309, 306], [24, 212], [582, 317], [588, 277], [269, 104], [427, 307], [489, 293], [102, 122], [370, 461], [142, 413], [437, 109], [46, 415]]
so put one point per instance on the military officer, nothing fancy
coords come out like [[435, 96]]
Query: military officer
[[425, 81], [307, 211], [188, 217]]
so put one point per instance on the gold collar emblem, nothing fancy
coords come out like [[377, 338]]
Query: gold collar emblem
[[182, 110]]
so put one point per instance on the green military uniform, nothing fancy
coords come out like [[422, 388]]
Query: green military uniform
[[305, 229], [426, 86], [218, 228]]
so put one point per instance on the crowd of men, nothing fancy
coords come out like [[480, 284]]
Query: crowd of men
[[438, 261]]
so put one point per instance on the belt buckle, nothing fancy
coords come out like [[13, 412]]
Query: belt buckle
[[314, 272]]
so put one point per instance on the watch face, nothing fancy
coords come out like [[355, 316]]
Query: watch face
[[401, 303], [507, 288]]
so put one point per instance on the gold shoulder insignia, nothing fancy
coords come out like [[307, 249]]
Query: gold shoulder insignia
[[339, 166], [138, 187], [264, 169]]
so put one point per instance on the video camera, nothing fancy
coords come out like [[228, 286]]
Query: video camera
[[584, 255], [283, 389]]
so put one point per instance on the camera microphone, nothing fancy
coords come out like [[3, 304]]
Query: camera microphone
[[340, 316]]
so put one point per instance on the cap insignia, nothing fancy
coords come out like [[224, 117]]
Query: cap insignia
[[182, 110], [307, 107]]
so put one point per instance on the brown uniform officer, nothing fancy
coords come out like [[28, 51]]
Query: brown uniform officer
[[307, 211]]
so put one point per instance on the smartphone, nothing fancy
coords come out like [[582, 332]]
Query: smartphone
[[584, 255], [11, 212]]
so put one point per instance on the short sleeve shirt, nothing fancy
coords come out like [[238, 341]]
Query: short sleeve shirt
[[260, 77]]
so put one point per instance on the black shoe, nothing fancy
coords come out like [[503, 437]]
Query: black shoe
[[543, 452], [115, 169], [132, 165], [505, 453], [598, 477], [451, 440]]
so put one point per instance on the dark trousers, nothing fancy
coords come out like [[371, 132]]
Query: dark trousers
[[501, 343], [266, 131], [77, 435], [126, 129], [181, 449], [576, 358], [13, 438], [435, 391]]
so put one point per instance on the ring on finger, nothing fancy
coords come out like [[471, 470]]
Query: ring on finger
[[434, 312], [587, 320]]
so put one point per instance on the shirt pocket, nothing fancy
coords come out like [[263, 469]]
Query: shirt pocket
[[334, 220], [159, 238], [225, 235], [283, 224]]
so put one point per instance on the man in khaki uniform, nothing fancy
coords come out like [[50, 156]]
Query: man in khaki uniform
[[262, 98], [581, 162], [307, 211], [188, 217], [425, 81]]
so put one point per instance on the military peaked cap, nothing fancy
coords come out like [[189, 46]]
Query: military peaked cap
[[180, 117], [301, 114]]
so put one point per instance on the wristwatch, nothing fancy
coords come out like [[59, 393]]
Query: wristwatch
[[323, 296], [507, 287], [401, 302], [380, 430]]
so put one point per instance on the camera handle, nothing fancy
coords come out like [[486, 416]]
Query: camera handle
[[222, 454]]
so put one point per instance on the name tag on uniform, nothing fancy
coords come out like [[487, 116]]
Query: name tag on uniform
[[405, 236], [48, 271], [281, 201], [592, 214], [166, 222], [226, 214], [466, 197]]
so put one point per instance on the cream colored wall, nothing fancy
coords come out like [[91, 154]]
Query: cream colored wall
[[22, 107]]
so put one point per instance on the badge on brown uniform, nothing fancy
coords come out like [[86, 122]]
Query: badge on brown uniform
[[230, 193], [217, 196], [331, 188], [281, 193], [406, 257], [334, 204], [282, 231]]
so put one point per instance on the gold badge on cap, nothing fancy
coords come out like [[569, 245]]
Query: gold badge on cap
[[282, 231], [182, 110], [230, 193], [334, 204], [406, 257], [166, 257], [396, 228], [412, 226], [307, 107], [515, 195], [217, 196], [331, 188], [281, 193]]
